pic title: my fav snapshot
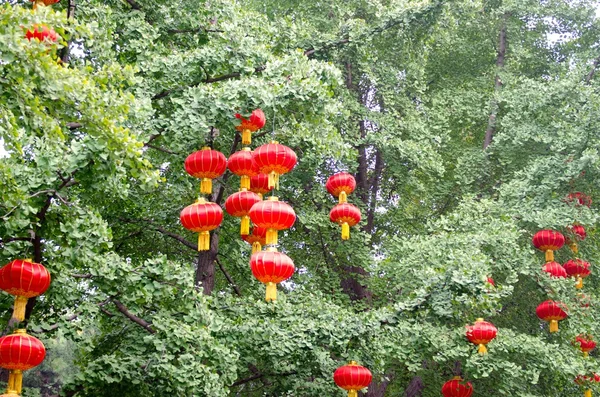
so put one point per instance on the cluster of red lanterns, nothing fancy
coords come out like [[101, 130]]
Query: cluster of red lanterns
[[344, 214]]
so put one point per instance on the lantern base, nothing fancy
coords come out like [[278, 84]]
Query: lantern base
[[352, 393]]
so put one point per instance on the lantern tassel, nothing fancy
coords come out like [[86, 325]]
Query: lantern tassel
[[273, 180], [15, 381], [271, 237], [585, 354], [345, 231], [271, 292], [246, 137], [343, 197], [245, 226], [482, 349], [245, 182], [574, 248], [206, 186], [256, 247], [19, 309], [587, 393], [204, 241], [579, 284], [352, 393], [553, 326], [549, 256], [260, 195]]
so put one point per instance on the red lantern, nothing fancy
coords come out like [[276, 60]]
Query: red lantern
[[257, 238], [41, 33], [584, 300], [481, 333], [20, 352], [275, 160], [239, 205], [578, 233], [23, 279], [341, 185], [206, 164], [37, 3], [202, 217], [272, 215], [586, 344], [491, 281], [259, 184], [552, 312], [270, 268], [554, 269], [346, 215], [579, 269], [579, 199], [457, 388], [256, 121], [583, 380], [353, 378], [242, 164], [548, 241]]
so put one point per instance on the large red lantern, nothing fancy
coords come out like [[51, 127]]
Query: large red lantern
[[239, 205], [206, 164], [353, 378], [554, 269], [457, 388], [341, 185], [579, 199], [202, 217], [548, 241], [274, 160], [259, 184], [552, 312], [41, 33], [256, 121], [272, 215], [481, 333], [257, 238], [20, 352], [271, 267], [579, 269], [345, 215], [586, 344], [242, 164], [23, 279]]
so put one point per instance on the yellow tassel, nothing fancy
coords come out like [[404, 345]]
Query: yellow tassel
[[206, 186], [271, 292], [352, 393], [271, 237], [482, 349], [588, 393], [19, 309], [343, 197], [585, 354], [245, 182], [15, 380], [37, 3], [345, 231], [256, 247], [246, 137], [204, 241], [579, 284], [271, 182], [553, 326], [574, 248], [245, 227], [260, 195], [549, 256]]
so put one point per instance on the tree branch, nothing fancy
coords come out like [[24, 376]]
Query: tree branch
[[66, 51], [134, 5], [139, 321], [229, 279], [590, 75]]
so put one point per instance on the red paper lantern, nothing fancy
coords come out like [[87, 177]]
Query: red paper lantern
[[206, 164], [274, 160], [353, 378], [202, 217], [256, 121], [257, 238], [579, 199], [20, 352], [577, 233], [586, 344], [481, 333], [259, 184], [239, 205], [579, 269], [554, 269], [457, 388], [37, 3], [583, 380], [548, 241], [552, 312], [491, 281], [270, 268], [41, 33], [23, 279], [272, 215], [346, 215], [341, 185], [242, 164]]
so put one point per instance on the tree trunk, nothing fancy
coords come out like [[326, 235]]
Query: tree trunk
[[205, 270]]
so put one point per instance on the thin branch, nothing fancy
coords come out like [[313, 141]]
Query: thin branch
[[160, 149], [229, 279], [590, 75], [177, 237], [74, 125], [134, 5], [66, 51], [139, 321]]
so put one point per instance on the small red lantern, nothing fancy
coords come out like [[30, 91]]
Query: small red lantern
[[206, 164], [579, 199], [275, 160], [341, 185], [481, 333], [586, 344], [257, 238], [41, 33], [579, 269], [491, 281], [457, 388], [239, 205], [23, 279], [272, 215], [20, 352], [346, 215], [202, 217], [256, 121], [578, 234], [242, 164], [270, 268], [353, 378], [554, 269], [37, 3], [548, 241], [552, 312], [259, 184]]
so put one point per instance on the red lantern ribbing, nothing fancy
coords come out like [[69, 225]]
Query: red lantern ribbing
[[346, 215], [552, 312], [554, 269], [239, 205], [548, 241], [341, 185], [352, 378], [259, 184], [202, 217], [578, 269], [257, 238], [242, 164], [270, 268], [457, 388], [42, 33], [206, 164], [481, 333], [272, 215], [256, 121], [274, 160], [20, 352], [586, 344], [23, 279]]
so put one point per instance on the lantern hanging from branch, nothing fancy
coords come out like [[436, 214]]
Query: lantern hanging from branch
[[24, 279], [481, 333], [579, 199], [346, 215], [271, 268], [554, 269], [42, 33], [457, 388], [242, 164], [352, 378], [584, 381], [585, 343], [20, 352], [257, 238], [552, 312], [206, 164], [202, 217], [548, 241], [256, 121], [239, 205], [578, 269], [259, 184], [274, 160], [577, 234], [272, 215], [341, 185]]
